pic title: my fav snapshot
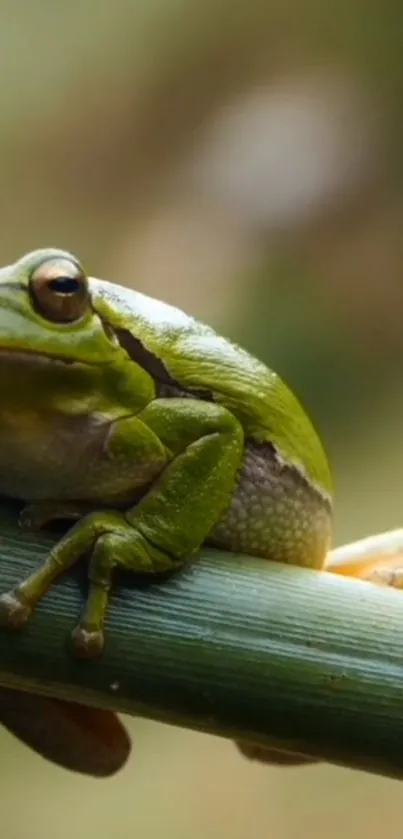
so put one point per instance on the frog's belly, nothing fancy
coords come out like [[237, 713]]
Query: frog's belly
[[42, 458], [275, 513], [56, 457]]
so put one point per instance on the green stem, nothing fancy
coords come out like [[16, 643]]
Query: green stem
[[246, 649]]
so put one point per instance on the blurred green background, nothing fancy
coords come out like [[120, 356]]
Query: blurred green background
[[243, 161]]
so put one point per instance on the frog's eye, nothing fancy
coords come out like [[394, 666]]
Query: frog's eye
[[60, 291]]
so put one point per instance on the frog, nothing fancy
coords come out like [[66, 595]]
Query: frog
[[155, 435], [152, 432]]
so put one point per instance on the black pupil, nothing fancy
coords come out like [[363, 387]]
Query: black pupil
[[65, 285]]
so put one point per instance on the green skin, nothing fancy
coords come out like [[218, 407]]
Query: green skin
[[153, 431]]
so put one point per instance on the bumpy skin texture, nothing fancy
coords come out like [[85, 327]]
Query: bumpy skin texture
[[153, 431]]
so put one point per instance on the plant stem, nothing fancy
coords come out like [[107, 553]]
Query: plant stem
[[306, 661]]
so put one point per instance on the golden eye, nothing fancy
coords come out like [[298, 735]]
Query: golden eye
[[60, 291]]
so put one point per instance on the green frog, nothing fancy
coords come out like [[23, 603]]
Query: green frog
[[151, 430], [155, 435]]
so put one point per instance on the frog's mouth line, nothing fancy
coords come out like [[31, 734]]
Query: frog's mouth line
[[41, 359]]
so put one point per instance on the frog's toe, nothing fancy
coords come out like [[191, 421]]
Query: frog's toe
[[88, 642], [14, 612]]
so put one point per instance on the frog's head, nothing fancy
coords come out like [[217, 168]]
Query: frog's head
[[46, 310]]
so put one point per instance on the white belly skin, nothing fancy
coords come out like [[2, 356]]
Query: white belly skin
[[275, 513]]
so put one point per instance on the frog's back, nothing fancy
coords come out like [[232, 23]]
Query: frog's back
[[201, 361]]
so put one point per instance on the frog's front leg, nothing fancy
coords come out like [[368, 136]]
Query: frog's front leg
[[204, 443], [131, 446]]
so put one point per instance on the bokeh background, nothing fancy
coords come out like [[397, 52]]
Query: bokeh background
[[243, 161]]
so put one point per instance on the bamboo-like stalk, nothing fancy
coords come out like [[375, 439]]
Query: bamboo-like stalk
[[305, 661]]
